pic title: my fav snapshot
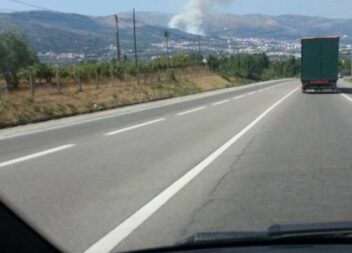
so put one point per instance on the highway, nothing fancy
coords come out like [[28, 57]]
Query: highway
[[153, 174]]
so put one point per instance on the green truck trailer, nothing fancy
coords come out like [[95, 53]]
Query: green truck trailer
[[319, 63]]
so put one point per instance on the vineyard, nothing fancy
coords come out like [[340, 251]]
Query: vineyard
[[32, 91]]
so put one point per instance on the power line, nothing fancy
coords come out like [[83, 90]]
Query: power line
[[160, 32], [30, 5], [182, 37], [1, 9]]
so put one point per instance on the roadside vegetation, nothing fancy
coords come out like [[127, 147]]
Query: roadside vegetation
[[345, 65], [32, 91]]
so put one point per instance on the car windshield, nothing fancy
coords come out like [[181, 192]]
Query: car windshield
[[129, 125]]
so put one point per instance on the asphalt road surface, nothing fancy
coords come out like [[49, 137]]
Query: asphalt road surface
[[151, 175]]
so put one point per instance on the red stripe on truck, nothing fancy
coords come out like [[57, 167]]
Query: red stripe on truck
[[319, 82]]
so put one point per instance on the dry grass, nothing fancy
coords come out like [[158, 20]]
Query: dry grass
[[18, 107]]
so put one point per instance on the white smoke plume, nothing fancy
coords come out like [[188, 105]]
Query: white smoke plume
[[194, 12]]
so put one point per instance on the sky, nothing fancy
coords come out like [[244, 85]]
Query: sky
[[326, 8]]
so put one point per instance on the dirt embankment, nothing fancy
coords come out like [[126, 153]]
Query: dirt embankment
[[19, 107]]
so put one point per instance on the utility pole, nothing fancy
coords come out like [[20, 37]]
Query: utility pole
[[351, 63], [135, 38], [96, 78], [167, 35], [118, 47], [31, 83], [79, 81], [57, 79], [112, 73], [199, 45]]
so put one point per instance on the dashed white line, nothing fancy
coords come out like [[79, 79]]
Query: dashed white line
[[118, 234], [134, 127], [193, 110], [347, 97], [35, 155], [238, 97], [251, 93], [221, 102]]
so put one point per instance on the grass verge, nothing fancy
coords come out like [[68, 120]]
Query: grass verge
[[18, 107]]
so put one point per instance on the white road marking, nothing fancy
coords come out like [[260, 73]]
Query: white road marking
[[221, 102], [238, 97], [193, 110], [251, 93], [35, 155], [134, 127], [118, 234], [347, 97], [114, 113]]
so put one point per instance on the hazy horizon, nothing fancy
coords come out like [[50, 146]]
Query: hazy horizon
[[2, 11], [323, 8]]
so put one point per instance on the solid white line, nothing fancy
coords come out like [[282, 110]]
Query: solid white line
[[347, 97], [238, 97], [221, 102], [193, 110], [32, 156], [118, 234], [134, 127]]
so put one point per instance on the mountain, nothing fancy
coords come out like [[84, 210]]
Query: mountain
[[94, 37], [280, 27], [58, 32], [151, 18], [73, 33]]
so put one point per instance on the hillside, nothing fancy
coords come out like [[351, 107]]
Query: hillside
[[284, 27], [94, 36], [280, 27], [17, 108], [73, 33]]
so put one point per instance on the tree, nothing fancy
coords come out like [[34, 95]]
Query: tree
[[181, 60], [345, 65], [290, 67], [43, 71], [213, 63], [15, 53]]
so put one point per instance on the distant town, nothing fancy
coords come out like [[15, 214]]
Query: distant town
[[275, 49]]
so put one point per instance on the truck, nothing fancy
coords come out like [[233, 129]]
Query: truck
[[319, 63]]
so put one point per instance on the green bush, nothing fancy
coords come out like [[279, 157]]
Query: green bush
[[243, 66], [44, 71], [15, 54]]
